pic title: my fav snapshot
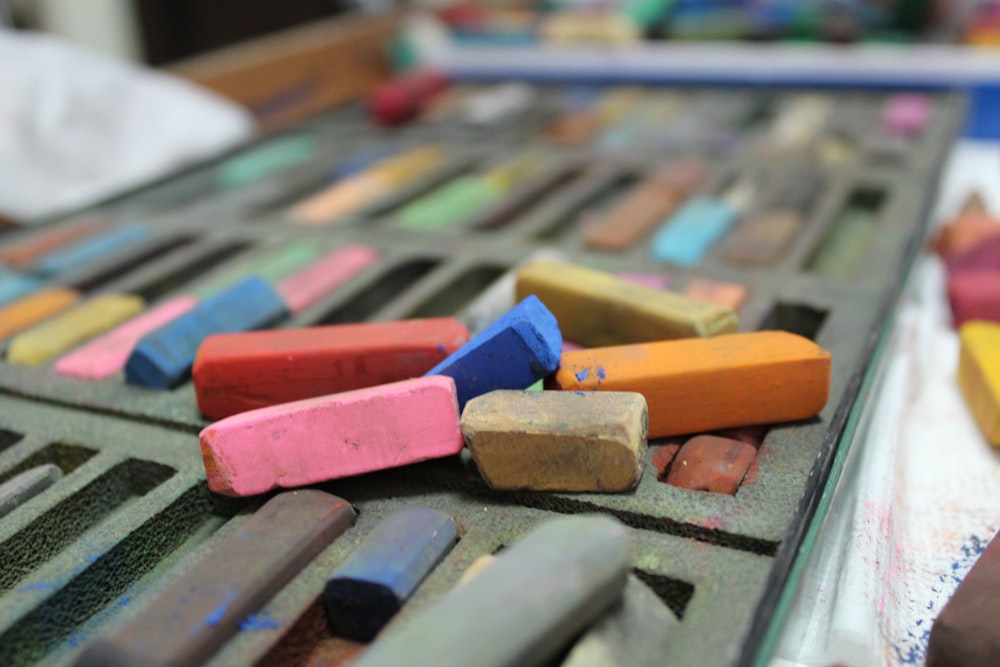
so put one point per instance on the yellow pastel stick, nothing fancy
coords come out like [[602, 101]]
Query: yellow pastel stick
[[979, 375], [57, 335], [507, 174], [597, 309]]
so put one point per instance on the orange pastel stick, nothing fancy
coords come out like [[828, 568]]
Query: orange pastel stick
[[22, 253], [695, 385], [33, 309]]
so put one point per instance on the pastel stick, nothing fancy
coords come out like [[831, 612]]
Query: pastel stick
[[13, 286], [635, 632], [524, 608], [244, 371], [95, 248], [367, 590], [517, 350], [975, 295], [979, 375], [22, 488], [692, 230], [334, 436], [188, 622], [303, 288], [163, 358]]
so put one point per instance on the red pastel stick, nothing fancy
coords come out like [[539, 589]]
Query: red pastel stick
[[244, 371], [983, 255], [975, 295]]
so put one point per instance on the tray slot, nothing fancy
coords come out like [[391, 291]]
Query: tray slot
[[364, 304]]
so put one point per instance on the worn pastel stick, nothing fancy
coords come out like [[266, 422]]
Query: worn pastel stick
[[524, 608], [725, 294], [964, 232], [974, 295], [22, 488], [517, 350], [635, 632], [711, 463], [163, 358], [596, 309], [35, 308], [67, 330], [557, 441], [705, 384], [906, 115], [269, 158], [692, 230], [304, 288], [334, 436], [95, 248], [14, 286], [985, 255], [272, 266], [244, 371], [106, 355], [197, 613], [24, 252], [762, 239], [380, 575], [979, 375]]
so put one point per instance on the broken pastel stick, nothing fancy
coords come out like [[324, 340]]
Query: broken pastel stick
[[597, 309], [979, 375], [379, 576], [635, 632], [711, 463], [705, 384], [163, 358], [557, 441], [522, 609], [244, 371], [517, 350], [22, 488], [974, 295], [965, 633], [318, 439], [197, 613]]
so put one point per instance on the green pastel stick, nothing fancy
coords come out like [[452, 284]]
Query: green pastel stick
[[271, 266], [261, 161], [840, 252], [449, 204]]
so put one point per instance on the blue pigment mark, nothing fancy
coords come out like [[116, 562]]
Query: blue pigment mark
[[912, 649], [215, 617], [600, 373], [580, 393], [442, 348], [38, 586], [582, 375], [124, 601], [258, 622]]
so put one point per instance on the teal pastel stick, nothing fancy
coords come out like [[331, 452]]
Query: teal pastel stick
[[13, 286], [692, 230], [93, 249], [366, 591]]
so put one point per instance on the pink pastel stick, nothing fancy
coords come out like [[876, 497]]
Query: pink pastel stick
[[304, 288], [569, 346], [333, 436], [906, 114], [651, 280], [107, 354]]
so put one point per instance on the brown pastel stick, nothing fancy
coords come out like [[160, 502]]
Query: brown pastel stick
[[643, 208], [705, 384], [595, 308], [574, 128], [762, 238], [711, 463], [966, 633], [23, 253], [557, 441], [193, 617]]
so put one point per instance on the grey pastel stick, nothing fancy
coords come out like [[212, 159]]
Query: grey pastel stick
[[192, 618], [635, 632], [22, 488], [523, 609]]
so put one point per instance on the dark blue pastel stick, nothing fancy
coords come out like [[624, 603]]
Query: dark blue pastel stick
[[164, 357], [366, 591], [93, 249], [362, 161], [13, 286], [692, 230], [517, 350]]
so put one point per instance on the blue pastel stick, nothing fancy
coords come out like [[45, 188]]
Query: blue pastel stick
[[164, 357], [361, 161], [14, 285], [376, 580], [692, 230], [517, 350], [98, 247]]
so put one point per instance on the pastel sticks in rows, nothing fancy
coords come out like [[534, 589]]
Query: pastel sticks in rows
[[244, 371], [197, 613], [541, 592], [340, 435], [597, 309], [705, 384], [367, 590], [517, 350]]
